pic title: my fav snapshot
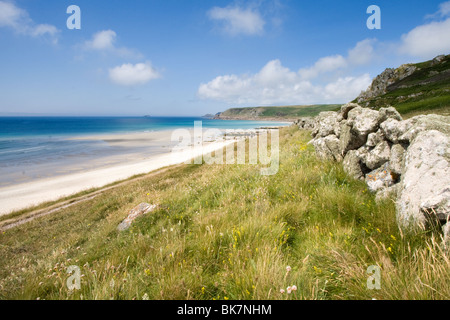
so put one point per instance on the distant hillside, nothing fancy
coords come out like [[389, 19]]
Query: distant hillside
[[275, 113], [412, 88]]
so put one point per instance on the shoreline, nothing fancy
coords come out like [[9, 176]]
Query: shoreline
[[35, 192]]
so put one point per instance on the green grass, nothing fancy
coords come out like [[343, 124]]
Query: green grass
[[227, 232]]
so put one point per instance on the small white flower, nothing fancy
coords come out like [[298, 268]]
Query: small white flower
[[281, 291], [294, 288], [288, 268], [289, 290]]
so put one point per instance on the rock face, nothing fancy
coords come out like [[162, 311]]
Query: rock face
[[425, 183], [384, 80], [409, 159], [138, 211]]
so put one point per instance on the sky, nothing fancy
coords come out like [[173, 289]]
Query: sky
[[192, 57]]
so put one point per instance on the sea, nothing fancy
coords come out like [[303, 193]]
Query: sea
[[40, 147]]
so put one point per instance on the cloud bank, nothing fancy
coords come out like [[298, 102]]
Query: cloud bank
[[133, 74], [19, 20], [236, 20], [276, 84], [105, 41]]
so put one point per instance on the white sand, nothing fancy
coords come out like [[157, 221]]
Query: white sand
[[24, 195]]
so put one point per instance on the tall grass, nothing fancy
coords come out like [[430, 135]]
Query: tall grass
[[227, 232]]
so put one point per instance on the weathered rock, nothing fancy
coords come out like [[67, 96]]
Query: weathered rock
[[332, 143], [397, 161], [352, 165], [345, 109], [381, 83], [438, 59], [325, 124], [389, 192], [363, 153], [380, 178], [389, 113], [425, 181], [363, 121], [138, 211], [348, 139], [394, 129], [306, 123], [337, 129], [375, 138], [425, 123], [327, 148], [378, 156]]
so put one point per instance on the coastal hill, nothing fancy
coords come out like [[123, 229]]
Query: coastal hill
[[275, 113], [412, 88]]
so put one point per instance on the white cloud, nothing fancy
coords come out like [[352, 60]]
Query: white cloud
[[102, 40], [362, 53], [10, 15], [133, 75], [444, 11], [428, 40], [275, 84], [236, 20], [105, 41], [43, 29], [323, 65], [18, 19]]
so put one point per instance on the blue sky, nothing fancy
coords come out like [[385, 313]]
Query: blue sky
[[179, 58]]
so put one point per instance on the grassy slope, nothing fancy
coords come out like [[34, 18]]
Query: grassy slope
[[435, 89], [281, 111], [226, 232]]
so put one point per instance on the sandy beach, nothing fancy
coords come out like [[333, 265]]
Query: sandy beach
[[143, 153]]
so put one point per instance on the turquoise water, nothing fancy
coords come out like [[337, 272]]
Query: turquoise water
[[33, 127], [39, 147]]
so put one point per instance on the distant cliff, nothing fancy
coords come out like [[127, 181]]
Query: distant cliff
[[290, 113]]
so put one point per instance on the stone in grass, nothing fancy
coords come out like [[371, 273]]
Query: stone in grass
[[138, 211]]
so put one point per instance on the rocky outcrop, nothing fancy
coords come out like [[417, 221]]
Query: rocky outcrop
[[138, 211], [406, 158], [384, 80]]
